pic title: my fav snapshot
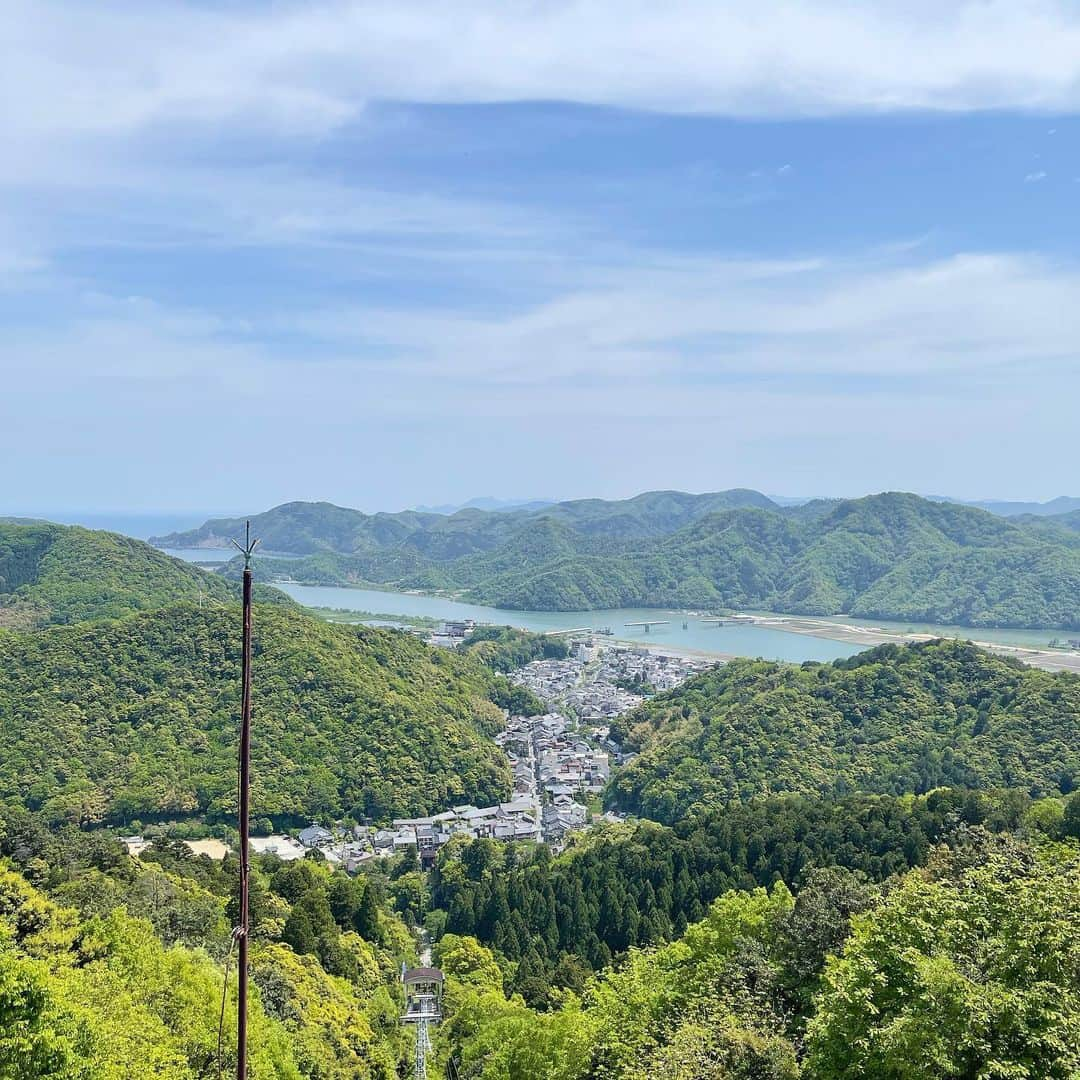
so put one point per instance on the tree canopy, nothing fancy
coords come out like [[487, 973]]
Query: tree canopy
[[893, 719], [892, 555], [135, 719]]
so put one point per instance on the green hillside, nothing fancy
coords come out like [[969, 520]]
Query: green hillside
[[886, 556], [137, 719], [969, 968], [66, 574], [889, 556], [115, 971], [891, 720], [310, 528]]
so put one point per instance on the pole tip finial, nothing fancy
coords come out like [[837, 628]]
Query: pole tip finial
[[248, 546]]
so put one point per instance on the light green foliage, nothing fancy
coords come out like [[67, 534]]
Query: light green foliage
[[894, 719], [105, 1000], [30, 1046], [469, 963], [967, 969], [973, 975], [101, 989], [330, 1031], [715, 1046], [647, 1015], [136, 719]]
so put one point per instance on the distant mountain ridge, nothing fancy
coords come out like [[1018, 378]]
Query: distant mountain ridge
[[487, 502], [890, 556], [304, 528], [1063, 504]]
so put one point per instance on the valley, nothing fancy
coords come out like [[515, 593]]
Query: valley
[[558, 820]]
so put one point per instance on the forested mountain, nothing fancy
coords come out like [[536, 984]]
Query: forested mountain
[[885, 556], [309, 528], [894, 719], [968, 968], [1070, 520], [1050, 523], [1063, 504], [136, 719], [65, 574], [641, 884]]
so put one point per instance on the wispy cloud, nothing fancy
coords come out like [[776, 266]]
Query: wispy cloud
[[71, 68], [194, 215], [711, 317], [684, 318]]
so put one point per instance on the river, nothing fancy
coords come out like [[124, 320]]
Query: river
[[740, 640], [673, 629]]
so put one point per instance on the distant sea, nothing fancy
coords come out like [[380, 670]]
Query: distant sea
[[139, 525]]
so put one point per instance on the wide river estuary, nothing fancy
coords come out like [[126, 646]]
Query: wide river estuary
[[676, 630]]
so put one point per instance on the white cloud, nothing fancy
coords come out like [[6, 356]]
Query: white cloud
[[1034, 177], [706, 318], [69, 68], [761, 368], [680, 328]]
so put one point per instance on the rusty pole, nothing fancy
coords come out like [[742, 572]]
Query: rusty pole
[[244, 813]]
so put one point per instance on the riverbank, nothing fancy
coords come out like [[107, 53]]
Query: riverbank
[[869, 636], [769, 635]]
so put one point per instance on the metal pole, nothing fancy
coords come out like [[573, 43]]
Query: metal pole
[[244, 814]]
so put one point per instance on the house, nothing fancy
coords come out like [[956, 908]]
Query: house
[[405, 838], [284, 847], [315, 836]]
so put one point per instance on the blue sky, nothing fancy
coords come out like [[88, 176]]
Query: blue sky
[[388, 254]]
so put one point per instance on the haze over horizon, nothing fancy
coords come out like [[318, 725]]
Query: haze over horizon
[[159, 521], [258, 253]]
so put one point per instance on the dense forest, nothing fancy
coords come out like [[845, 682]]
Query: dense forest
[[66, 574], [556, 920], [892, 556], [895, 719], [135, 719], [112, 968], [969, 967]]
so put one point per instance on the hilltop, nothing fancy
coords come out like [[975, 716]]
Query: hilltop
[[889, 556], [893, 720], [136, 719], [304, 528], [65, 574]]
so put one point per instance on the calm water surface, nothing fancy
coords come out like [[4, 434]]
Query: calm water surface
[[769, 642]]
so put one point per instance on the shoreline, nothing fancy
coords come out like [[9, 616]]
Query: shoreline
[[858, 636], [871, 636]]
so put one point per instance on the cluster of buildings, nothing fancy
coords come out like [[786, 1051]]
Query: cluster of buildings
[[599, 682], [519, 819], [656, 670], [548, 758], [451, 633], [560, 759]]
